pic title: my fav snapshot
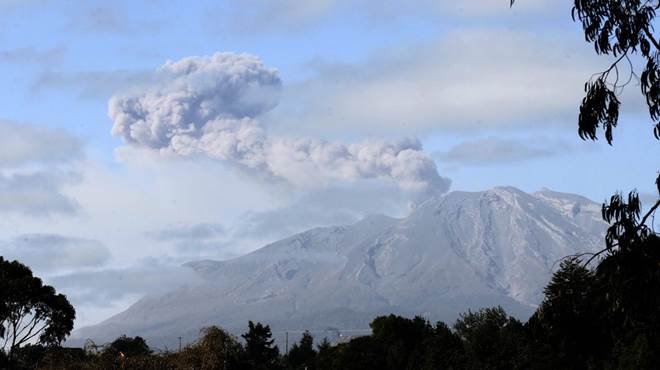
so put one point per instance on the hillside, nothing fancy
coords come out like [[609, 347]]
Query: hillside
[[463, 250]]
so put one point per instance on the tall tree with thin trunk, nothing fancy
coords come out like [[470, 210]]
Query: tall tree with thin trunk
[[30, 312]]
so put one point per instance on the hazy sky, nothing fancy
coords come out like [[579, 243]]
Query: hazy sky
[[138, 135]]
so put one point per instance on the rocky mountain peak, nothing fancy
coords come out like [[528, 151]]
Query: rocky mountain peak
[[464, 250]]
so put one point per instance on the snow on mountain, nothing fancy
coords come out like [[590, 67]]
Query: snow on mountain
[[462, 251]]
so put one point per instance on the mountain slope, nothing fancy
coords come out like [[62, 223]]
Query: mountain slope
[[463, 250]]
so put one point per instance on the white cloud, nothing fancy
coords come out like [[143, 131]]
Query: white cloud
[[469, 79], [24, 144], [37, 193], [35, 167], [52, 253], [101, 286], [200, 231], [117, 206], [96, 294], [253, 16], [204, 240], [338, 205], [495, 150], [209, 106], [126, 205], [90, 84], [258, 16]]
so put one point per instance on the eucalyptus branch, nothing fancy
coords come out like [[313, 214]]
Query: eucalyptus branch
[[650, 212], [41, 329], [651, 38], [596, 255], [28, 324]]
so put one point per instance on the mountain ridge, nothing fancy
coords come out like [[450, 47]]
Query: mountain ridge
[[461, 251]]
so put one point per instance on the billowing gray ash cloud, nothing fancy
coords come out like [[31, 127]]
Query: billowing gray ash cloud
[[211, 105]]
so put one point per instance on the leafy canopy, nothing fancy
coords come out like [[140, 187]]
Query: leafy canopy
[[29, 310]]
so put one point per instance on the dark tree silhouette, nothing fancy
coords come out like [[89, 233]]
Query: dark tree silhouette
[[443, 349], [29, 310], [568, 324], [361, 353], [326, 353], [260, 351], [403, 339], [619, 28], [216, 349], [492, 339], [628, 268], [129, 346], [608, 315], [302, 355], [623, 29], [397, 343], [630, 273]]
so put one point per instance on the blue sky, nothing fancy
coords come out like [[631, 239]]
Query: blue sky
[[490, 92]]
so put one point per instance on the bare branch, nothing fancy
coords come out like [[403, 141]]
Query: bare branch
[[595, 255], [651, 211], [655, 42], [41, 329]]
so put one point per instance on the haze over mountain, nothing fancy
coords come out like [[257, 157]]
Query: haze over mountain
[[461, 251]]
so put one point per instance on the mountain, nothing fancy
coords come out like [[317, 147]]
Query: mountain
[[462, 251]]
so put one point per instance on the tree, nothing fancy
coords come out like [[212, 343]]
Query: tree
[[402, 339], [216, 349], [622, 29], [630, 269], [397, 343], [443, 349], [129, 346], [619, 28], [302, 355], [29, 310], [630, 272], [259, 348], [569, 322], [361, 353], [492, 339], [326, 353]]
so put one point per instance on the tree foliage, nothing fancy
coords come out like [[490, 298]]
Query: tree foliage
[[624, 30], [302, 355], [260, 350], [630, 275], [29, 310], [128, 346], [568, 323], [619, 28], [492, 339], [216, 349]]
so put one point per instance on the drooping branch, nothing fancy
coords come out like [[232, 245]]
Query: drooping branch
[[655, 42], [650, 212], [596, 255]]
